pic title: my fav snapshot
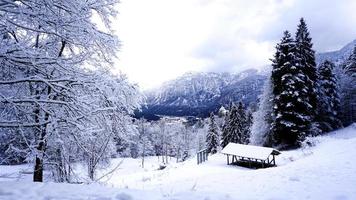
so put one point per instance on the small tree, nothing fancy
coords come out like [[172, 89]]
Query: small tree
[[225, 130], [212, 138], [248, 125], [230, 129], [328, 98]]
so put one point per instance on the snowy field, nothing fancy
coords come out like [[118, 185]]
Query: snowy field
[[325, 171]]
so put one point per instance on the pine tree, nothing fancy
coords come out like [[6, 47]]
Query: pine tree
[[212, 138], [305, 63], [249, 119], [350, 64], [225, 130], [236, 129], [234, 134], [231, 132], [347, 78], [291, 123], [243, 128], [328, 98]]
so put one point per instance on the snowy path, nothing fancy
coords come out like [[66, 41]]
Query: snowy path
[[325, 171]]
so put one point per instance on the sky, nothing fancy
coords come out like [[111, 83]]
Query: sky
[[163, 39]]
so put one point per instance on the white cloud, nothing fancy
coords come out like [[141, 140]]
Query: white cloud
[[164, 38]]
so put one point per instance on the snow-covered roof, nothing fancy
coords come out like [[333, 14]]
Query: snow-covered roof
[[249, 151]]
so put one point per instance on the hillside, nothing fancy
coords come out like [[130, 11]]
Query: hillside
[[324, 171], [337, 56]]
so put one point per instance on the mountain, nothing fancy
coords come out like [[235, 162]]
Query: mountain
[[337, 56], [198, 94]]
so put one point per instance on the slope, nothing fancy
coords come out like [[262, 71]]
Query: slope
[[323, 171]]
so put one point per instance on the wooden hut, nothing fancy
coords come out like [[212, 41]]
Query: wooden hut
[[250, 156]]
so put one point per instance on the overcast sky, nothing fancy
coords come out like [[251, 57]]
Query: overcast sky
[[162, 39]]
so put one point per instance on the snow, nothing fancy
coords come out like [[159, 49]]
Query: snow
[[323, 171], [248, 151]]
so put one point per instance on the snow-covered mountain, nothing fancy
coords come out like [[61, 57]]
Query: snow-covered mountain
[[199, 93], [337, 56]]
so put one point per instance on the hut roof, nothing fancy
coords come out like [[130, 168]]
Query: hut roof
[[249, 151]]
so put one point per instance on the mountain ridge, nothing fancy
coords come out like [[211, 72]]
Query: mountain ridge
[[199, 93]]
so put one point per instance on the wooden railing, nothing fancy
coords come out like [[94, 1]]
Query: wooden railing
[[202, 156]]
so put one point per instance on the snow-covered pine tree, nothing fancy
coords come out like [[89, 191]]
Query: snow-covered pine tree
[[249, 119], [225, 134], [350, 64], [212, 138], [291, 122], [306, 64], [236, 128], [243, 128], [328, 98], [234, 134], [347, 77]]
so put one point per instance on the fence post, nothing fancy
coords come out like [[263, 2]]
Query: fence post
[[202, 156]]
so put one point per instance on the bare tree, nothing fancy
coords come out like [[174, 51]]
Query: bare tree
[[54, 59]]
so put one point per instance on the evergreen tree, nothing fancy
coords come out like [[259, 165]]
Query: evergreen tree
[[291, 122], [231, 129], [305, 63], [328, 98], [350, 64], [294, 79], [225, 130], [212, 138], [236, 128], [234, 132], [347, 78], [249, 119], [243, 128]]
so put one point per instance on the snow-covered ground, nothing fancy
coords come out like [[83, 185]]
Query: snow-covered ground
[[324, 171]]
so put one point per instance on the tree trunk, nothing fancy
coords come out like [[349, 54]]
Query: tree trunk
[[143, 156], [38, 172]]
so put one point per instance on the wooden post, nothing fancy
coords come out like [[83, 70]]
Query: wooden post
[[249, 162], [263, 164], [274, 161], [198, 158], [227, 156]]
